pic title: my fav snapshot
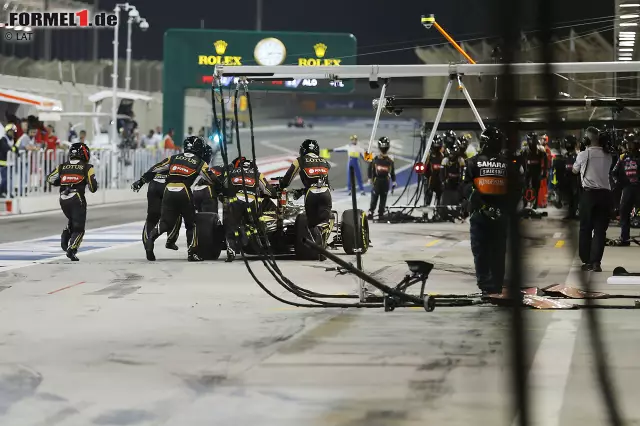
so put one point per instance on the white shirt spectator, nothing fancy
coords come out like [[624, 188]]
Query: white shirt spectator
[[156, 139], [25, 142]]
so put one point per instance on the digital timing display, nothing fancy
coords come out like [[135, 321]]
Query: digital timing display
[[298, 85]]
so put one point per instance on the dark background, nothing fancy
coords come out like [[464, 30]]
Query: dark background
[[387, 31]]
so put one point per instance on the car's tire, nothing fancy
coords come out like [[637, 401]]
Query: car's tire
[[289, 125], [210, 233], [348, 234], [302, 231], [310, 126]]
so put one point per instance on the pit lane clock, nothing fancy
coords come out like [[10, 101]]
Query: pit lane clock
[[270, 51]]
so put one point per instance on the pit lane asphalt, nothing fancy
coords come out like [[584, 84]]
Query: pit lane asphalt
[[173, 343]]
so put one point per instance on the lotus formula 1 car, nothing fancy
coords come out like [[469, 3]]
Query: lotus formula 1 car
[[299, 123]]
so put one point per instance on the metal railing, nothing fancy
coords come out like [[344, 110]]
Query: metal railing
[[27, 171]]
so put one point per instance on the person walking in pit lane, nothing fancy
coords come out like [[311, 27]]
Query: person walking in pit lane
[[382, 175], [73, 176], [625, 174], [355, 153]]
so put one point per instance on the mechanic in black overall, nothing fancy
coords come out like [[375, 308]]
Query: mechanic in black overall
[[248, 192], [432, 172], [625, 174], [155, 192], [205, 196], [314, 174], [381, 174], [536, 158], [73, 176], [183, 169], [451, 170], [568, 182], [486, 186]]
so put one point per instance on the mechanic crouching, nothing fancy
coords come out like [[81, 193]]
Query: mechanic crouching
[[314, 174], [486, 187], [72, 177], [246, 186], [382, 175], [183, 169], [625, 175]]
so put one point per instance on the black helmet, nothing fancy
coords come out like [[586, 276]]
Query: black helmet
[[491, 140], [208, 153], [436, 144], [570, 143], [449, 138], [384, 144], [309, 146], [195, 145], [79, 151]]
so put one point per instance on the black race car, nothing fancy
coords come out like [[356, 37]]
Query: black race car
[[284, 224], [299, 123]]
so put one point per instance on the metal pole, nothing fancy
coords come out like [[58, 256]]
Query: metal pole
[[381, 103], [258, 15], [434, 128], [114, 77], [471, 104], [127, 80]]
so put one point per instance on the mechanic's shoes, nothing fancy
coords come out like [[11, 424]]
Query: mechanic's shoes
[[71, 254], [193, 257], [370, 216], [171, 245], [64, 239], [231, 255], [620, 243], [363, 193], [148, 248], [596, 267]]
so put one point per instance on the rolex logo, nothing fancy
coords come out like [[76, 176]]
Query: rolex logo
[[320, 49], [221, 46]]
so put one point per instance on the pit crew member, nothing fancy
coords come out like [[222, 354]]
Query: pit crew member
[[355, 152], [381, 174], [183, 169], [247, 185], [486, 187], [314, 174], [451, 170], [432, 172], [73, 176], [625, 174], [536, 159], [205, 196]]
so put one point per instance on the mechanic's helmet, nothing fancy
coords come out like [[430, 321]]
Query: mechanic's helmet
[[238, 162], [353, 138], [195, 145], [309, 146], [384, 144], [436, 145], [79, 151], [10, 128], [449, 138], [532, 139], [631, 142], [208, 153], [570, 143], [491, 140]]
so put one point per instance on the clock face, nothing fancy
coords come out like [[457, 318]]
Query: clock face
[[270, 51]]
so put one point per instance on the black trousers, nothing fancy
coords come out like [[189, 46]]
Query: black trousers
[[433, 186], [380, 191], [155, 193], [489, 248], [204, 200], [177, 205], [533, 182], [595, 211], [629, 199], [74, 207], [317, 206], [571, 196]]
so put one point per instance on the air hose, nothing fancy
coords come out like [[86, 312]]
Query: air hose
[[267, 259]]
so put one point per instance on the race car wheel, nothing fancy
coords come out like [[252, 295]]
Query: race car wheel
[[302, 231], [310, 126], [289, 125], [348, 232], [210, 234]]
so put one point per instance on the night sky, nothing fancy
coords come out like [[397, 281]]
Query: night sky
[[392, 27], [393, 30]]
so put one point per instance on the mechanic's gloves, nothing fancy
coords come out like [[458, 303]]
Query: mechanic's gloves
[[137, 185]]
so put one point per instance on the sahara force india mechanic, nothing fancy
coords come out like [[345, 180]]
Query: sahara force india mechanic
[[381, 174], [72, 177], [183, 169], [244, 186], [314, 174], [486, 185]]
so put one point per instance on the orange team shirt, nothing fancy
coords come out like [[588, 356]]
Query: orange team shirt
[[168, 143]]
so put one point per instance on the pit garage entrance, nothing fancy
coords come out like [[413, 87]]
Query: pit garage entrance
[[190, 56]]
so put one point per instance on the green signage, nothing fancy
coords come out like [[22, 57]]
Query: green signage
[[190, 57]]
